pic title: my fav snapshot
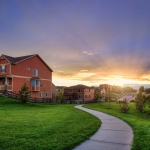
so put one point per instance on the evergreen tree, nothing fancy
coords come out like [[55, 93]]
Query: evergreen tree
[[98, 96], [61, 97], [24, 94], [140, 101], [141, 89]]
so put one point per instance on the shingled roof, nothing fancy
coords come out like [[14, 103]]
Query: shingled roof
[[79, 86], [15, 60]]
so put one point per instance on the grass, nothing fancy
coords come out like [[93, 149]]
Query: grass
[[43, 126], [139, 122]]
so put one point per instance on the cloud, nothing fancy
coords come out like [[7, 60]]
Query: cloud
[[83, 70], [90, 53]]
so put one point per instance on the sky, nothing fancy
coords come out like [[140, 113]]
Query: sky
[[87, 42]]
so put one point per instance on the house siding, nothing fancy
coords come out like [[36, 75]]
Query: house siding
[[19, 73], [20, 69], [85, 94]]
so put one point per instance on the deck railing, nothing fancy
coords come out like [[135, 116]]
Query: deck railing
[[6, 87], [35, 88], [2, 87], [9, 87]]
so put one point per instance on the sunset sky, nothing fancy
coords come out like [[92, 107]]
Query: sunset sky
[[87, 42]]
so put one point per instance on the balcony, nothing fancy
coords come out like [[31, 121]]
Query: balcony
[[9, 87], [35, 85], [35, 88], [2, 87], [6, 87]]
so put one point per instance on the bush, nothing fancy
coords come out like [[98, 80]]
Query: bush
[[132, 100], [124, 107], [24, 94], [140, 102], [120, 101]]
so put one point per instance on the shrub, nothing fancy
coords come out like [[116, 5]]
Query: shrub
[[24, 94], [124, 107], [132, 100], [140, 101]]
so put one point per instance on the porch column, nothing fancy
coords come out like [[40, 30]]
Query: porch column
[[6, 81]]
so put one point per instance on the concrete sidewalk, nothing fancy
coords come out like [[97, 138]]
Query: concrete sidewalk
[[114, 134]]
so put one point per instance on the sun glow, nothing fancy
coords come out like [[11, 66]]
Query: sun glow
[[121, 81]]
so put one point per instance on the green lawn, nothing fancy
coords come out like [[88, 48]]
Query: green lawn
[[139, 122], [43, 126]]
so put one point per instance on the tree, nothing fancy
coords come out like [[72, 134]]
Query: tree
[[108, 96], [98, 95], [116, 89], [124, 107], [141, 89], [140, 101], [147, 90], [60, 96], [127, 89], [24, 94]]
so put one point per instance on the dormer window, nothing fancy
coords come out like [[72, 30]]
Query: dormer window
[[35, 72], [3, 68]]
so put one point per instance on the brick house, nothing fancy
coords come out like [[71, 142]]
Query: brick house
[[79, 92], [31, 69]]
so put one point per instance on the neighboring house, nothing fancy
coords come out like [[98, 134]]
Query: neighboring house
[[79, 92], [31, 69], [60, 88], [105, 87], [54, 92]]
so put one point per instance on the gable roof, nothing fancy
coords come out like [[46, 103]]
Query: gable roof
[[79, 86], [15, 60]]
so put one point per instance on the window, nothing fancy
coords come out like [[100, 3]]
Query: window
[[3, 68], [37, 82], [40, 95], [33, 82], [70, 91], [35, 72], [47, 94]]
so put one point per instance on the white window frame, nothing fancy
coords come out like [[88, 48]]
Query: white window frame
[[36, 72], [47, 94], [3, 68], [40, 94]]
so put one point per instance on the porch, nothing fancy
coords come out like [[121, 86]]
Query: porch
[[5, 83]]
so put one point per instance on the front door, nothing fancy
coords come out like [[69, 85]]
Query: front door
[[3, 81]]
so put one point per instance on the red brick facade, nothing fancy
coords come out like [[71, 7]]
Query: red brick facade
[[79, 92], [16, 73]]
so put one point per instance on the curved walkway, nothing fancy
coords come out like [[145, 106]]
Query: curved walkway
[[114, 134]]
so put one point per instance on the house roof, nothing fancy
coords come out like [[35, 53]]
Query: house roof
[[79, 86], [15, 60]]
